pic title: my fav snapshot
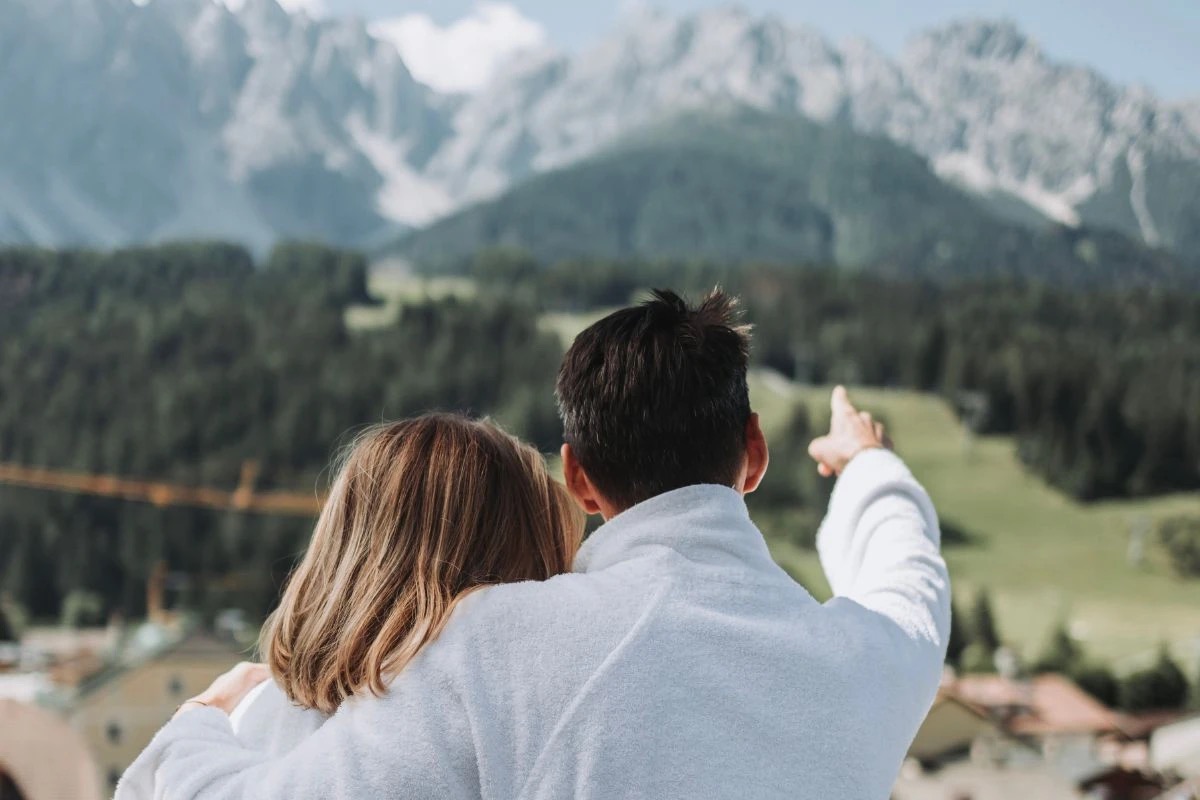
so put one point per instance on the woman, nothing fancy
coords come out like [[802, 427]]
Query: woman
[[422, 513]]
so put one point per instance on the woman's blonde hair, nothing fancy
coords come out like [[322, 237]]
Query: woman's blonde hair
[[421, 513]]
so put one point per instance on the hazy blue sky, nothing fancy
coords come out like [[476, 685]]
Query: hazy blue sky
[[1156, 42]]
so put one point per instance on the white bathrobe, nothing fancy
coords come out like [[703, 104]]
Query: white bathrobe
[[677, 661]]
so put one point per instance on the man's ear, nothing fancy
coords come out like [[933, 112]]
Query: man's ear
[[757, 455], [578, 484]]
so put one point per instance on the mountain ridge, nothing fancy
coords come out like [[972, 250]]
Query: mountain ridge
[[742, 186], [252, 125], [184, 118], [970, 96]]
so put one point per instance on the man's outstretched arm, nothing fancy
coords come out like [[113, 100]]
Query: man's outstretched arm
[[879, 543]]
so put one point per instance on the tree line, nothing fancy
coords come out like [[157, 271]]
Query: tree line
[[976, 644]]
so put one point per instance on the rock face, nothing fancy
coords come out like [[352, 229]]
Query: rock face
[[982, 102], [179, 118]]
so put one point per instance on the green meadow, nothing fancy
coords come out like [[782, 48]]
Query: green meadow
[[394, 286], [1045, 558]]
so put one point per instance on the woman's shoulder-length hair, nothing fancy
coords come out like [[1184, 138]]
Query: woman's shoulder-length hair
[[421, 513]]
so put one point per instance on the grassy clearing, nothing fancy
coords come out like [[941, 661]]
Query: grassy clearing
[[568, 325], [1044, 557], [395, 289]]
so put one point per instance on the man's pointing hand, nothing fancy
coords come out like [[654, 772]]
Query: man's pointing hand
[[850, 432]]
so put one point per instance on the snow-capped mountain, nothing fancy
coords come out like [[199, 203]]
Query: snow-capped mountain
[[982, 102], [124, 121]]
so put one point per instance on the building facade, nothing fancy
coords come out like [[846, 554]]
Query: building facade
[[117, 712]]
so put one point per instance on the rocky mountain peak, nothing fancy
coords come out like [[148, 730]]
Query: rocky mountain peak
[[984, 39], [256, 123]]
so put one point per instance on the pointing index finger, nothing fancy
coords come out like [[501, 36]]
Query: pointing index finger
[[840, 402]]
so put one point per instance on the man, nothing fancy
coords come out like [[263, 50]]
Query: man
[[677, 661]]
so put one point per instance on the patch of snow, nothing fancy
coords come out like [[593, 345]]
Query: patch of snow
[[974, 174], [1135, 159], [406, 196]]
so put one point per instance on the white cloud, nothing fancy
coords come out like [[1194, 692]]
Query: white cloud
[[461, 56]]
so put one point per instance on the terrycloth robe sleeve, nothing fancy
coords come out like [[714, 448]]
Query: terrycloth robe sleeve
[[412, 743], [879, 547], [268, 721], [265, 721]]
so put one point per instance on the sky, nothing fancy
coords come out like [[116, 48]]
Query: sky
[[455, 44]]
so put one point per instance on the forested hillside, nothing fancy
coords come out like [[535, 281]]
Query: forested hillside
[[745, 186], [181, 363]]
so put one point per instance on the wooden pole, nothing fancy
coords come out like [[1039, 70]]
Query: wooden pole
[[163, 494]]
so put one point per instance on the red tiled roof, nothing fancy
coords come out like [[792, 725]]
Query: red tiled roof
[[1143, 723], [1044, 705]]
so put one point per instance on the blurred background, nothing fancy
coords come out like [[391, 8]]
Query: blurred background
[[233, 233]]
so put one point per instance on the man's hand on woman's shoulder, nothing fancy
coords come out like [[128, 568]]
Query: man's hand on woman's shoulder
[[850, 432]]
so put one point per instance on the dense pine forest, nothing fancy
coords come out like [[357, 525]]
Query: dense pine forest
[[183, 362]]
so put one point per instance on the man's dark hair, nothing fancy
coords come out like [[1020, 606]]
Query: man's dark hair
[[654, 397]]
